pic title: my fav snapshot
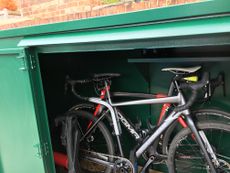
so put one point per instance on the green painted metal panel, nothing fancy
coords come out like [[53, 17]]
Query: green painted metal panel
[[11, 51], [205, 8], [40, 110], [171, 42], [171, 29], [205, 23], [197, 32], [20, 144], [9, 43]]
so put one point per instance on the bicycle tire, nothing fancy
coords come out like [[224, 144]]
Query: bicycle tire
[[200, 115], [108, 120], [101, 132], [105, 113], [181, 159], [90, 107], [84, 107]]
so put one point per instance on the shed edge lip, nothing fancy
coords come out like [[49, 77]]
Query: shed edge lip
[[149, 32]]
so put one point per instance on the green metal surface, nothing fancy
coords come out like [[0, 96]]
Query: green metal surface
[[195, 32], [205, 8], [20, 144], [11, 51], [176, 60], [24, 130], [173, 42], [40, 110], [172, 29], [9, 43]]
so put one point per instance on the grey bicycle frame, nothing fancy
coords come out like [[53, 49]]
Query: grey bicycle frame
[[179, 99]]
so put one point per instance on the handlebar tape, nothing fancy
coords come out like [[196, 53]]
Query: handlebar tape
[[78, 95], [189, 103], [194, 87]]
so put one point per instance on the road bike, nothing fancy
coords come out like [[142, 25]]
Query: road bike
[[197, 150]]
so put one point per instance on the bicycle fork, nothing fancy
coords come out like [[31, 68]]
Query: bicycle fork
[[115, 121], [204, 144]]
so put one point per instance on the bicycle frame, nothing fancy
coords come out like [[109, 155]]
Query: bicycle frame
[[124, 121], [178, 99], [162, 124]]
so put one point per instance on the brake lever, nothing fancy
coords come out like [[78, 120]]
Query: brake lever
[[219, 80]]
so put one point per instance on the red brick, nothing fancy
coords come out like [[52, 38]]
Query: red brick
[[25, 4], [55, 12], [180, 1], [161, 3], [96, 13], [128, 7], [153, 4]]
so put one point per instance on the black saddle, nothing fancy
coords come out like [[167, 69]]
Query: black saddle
[[104, 76], [182, 70]]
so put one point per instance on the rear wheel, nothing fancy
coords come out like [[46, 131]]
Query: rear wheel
[[91, 109], [185, 154], [94, 139], [84, 107]]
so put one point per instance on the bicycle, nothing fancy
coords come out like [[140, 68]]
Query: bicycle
[[201, 114], [147, 138]]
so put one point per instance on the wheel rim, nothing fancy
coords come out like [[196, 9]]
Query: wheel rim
[[189, 158], [95, 141]]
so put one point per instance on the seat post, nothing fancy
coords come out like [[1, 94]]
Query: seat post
[[107, 89]]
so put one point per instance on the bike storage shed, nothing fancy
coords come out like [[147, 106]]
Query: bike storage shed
[[35, 60]]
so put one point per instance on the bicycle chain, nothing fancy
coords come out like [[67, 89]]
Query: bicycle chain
[[121, 159]]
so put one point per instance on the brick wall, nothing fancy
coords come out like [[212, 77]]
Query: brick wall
[[9, 4], [35, 12]]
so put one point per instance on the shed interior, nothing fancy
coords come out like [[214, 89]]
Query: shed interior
[[141, 72]]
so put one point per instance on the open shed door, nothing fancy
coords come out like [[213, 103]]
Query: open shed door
[[18, 125]]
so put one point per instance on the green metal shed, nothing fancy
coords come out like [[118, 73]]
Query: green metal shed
[[34, 61]]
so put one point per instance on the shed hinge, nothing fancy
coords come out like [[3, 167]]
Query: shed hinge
[[32, 61], [42, 149], [21, 57]]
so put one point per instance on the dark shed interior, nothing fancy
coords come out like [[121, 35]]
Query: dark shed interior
[[141, 72]]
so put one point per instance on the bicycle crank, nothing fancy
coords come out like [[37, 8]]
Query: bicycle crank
[[116, 163]]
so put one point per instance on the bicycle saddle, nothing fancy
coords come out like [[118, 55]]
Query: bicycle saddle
[[183, 70], [103, 76]]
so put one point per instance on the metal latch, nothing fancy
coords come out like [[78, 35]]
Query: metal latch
[[39, 153], [42, 149], [32, 62], [22, 58], [45, 148]]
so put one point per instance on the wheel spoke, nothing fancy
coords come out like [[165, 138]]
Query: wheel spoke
[[185, 154], [96, 139]]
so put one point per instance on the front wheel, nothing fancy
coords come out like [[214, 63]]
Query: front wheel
[[185, 154], [199, 115], [96, 139]]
